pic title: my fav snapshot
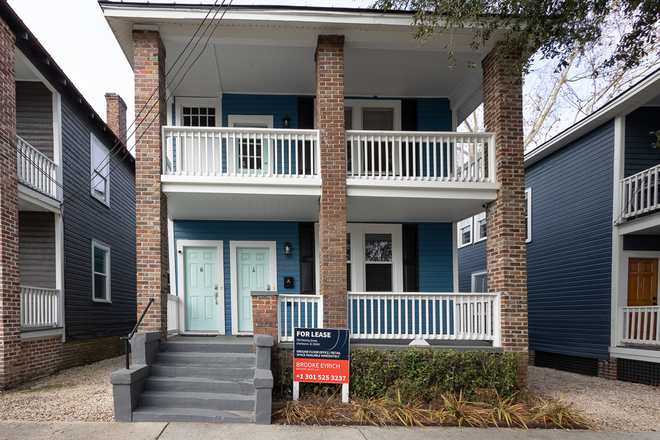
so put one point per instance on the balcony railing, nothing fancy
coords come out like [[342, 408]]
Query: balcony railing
[[36, 170], [230, 152], [420, 156], [389, 316], [40, 308], [640, 193], [640, 325]]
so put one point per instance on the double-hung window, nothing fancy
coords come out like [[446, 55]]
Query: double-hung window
[[465, 232], [479, 282], [100, 272], [100, 171], [480, 227], [374, 258]]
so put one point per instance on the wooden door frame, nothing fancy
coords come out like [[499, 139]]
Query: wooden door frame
[[233, 270], [181, 285]]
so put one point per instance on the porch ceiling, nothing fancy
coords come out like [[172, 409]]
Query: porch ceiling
[[216, 206], [414, 208], [262, 50]]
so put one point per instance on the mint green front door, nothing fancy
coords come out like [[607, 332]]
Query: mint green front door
[[201, 284], [253, 274]]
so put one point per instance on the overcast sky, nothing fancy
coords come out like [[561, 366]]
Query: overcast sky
[[79, 39]]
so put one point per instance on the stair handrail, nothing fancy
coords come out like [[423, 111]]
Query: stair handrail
[[126, 339]]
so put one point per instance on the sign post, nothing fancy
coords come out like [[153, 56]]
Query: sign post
[[321, 355]]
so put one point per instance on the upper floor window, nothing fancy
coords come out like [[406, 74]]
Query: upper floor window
[[198, 116], [480, 227], [100, 171], [100, 272], [465, 232], [528, 214]]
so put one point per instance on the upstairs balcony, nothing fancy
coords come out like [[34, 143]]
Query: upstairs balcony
[[37, 171], [274, 174]]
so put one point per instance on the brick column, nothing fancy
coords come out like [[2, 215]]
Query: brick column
[[332, 210], [10, 303], [264, 314], [116, 115], [150, 202], [507, 261]]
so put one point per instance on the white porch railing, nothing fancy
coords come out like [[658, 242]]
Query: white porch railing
[[298, 311], [172, 313], [229, 152], [36, 170], [447, 316], [640, 192], [40, 308], [421, 156], [640, 325]]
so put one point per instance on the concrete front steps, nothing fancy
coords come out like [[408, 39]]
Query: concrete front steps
[[198, 381]]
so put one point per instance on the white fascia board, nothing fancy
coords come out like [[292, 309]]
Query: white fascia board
[[238, 185], [640, 224], [32, 197], [423, 190], [625, 103]]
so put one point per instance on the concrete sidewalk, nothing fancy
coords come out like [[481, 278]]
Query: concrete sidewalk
[[171, 431]]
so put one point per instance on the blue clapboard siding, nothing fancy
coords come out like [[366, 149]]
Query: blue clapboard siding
[[471, 258], [436, 270], [277, 105], [281, 232], [569, 259], [639, 153], [87, 219], [433, 114]]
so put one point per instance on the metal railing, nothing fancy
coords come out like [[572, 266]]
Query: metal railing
[[420, 156], [130, 336], [640, 325], [40, 308], [36, 170], [446, 316], [231, 152]]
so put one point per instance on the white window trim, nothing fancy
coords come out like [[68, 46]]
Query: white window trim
[[358, 231], [198, 102], [106, 248], [528, 211], [459, 228], [358, 104], [233, 268], [93, 139], [476, 229], [473, 276], [267, 120]]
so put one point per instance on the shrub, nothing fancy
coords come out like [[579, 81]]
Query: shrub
[[424, 373]]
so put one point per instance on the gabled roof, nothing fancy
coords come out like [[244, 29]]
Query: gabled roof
[[644, 92], [41, 59]]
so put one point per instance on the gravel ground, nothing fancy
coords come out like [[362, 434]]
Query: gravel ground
[[77, 394], [85, 394], [608, 404]]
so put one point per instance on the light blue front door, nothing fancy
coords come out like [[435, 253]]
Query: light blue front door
[[253, 274], [201, 284]]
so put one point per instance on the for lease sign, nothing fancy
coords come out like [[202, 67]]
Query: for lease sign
[[320, 355]]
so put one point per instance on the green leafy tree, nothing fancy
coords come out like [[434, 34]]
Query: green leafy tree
[[551, 28]]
